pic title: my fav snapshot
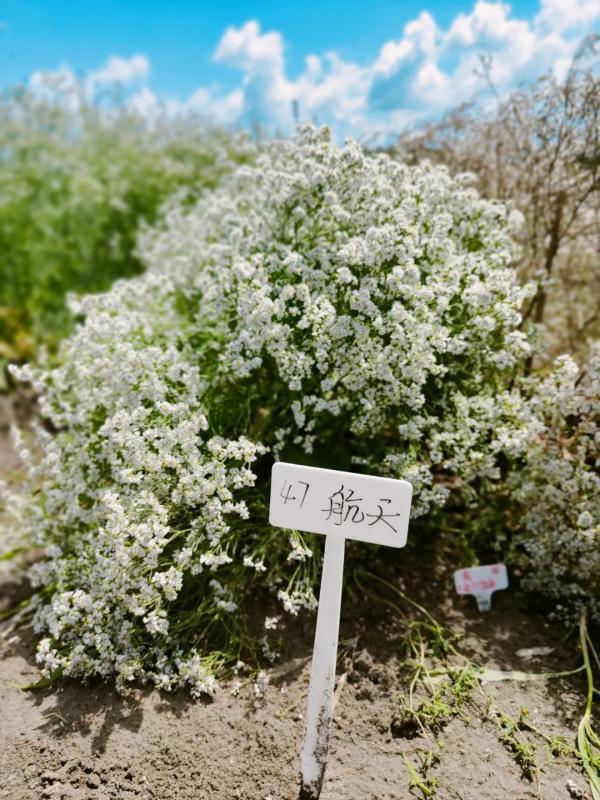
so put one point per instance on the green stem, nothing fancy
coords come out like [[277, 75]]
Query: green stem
[[588, 742]]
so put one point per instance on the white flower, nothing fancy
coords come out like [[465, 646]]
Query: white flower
[[261, 683], [170, 582], [259, 566]]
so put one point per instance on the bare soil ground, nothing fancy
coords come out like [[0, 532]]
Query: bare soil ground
[[81, 742]]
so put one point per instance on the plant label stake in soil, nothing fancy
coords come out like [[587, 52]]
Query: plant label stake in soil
[[342, 505], [481, 582]]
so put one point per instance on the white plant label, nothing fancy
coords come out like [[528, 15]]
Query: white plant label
[[341, 505], [362, 507], [481, 582]]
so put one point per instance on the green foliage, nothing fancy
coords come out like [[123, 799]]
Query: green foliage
[[419, 780], [449, 682], [522, 750], [588, 740], [76, 184]]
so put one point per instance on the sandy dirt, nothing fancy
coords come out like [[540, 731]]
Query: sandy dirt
[[75, 742]]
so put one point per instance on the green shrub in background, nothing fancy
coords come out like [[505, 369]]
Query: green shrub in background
[[76, 181]]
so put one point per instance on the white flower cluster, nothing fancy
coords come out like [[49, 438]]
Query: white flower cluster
[[133, 496], [363, 298], [557, 485], [322, 300]]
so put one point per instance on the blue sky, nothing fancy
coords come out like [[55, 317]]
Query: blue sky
[[362, 67], [179, 38]]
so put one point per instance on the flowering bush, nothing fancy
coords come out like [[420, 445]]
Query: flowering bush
[[368, 308], [556, 487], [323, 306]]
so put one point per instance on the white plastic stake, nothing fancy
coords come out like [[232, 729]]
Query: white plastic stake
[[341, 505], [322, 674]]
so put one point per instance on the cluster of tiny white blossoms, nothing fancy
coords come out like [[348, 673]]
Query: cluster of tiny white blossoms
[[364, 298], [133, 497], [321, 302], [557, 484]]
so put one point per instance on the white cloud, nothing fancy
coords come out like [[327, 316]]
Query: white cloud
[[59, 86], [428, 69], [422, 72], [489, 25], [63, 86], [561, 15], [216, 109], [328, 89], [219, 109], [118, 71], [420, 35], [260, 57], [250, 50], [406, 70], [145, 103]]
